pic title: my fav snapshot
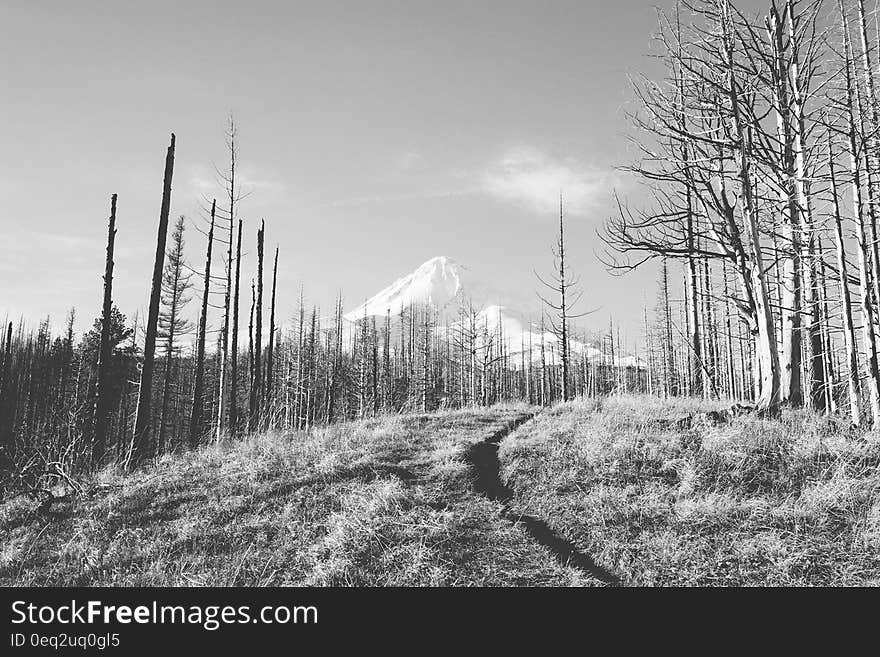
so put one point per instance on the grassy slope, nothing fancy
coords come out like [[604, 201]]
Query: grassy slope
[[392, 502], [378, 502], [753, 502]]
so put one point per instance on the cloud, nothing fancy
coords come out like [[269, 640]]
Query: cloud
[[393, 198], [533, 179]]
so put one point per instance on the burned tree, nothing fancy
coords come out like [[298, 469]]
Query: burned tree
[[561, 284], [102, 389], [233, 392], [141, 439], [270, 347], [196, 414], [256, 384], [172, 325]]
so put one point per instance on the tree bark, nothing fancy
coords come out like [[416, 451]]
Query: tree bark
[[141, 437], [270, 350], [102, 391], [233, 369], [765, 341], [871, 153], [256, 391], [849, 333], [196, 415], [791, 193]]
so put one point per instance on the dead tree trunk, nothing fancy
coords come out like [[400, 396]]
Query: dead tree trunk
[[233, 369], [141, 437], [827, 343], [791, 194], [426, 355], [171, 323], [864, 249], [270, 348], [765, 345], [195, 420], [560, 284], [871, 154], [256, 390], [818, 371], [563, 308], [102, 391], [809, 282], [224, 338], [6, 437], [251, 355], [695, 373], [849, 332]]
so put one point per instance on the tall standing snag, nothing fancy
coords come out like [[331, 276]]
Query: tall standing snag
[[233, 392], [849, 332], [141, 437], [229, 180], [872, 114], [859, 211], [102, 391], [6, 442], [765, 345], [195, 421], [172, 324], [809, 281], [695, 373], [791, 196], [270, 348], [561, 284], [256, 386]]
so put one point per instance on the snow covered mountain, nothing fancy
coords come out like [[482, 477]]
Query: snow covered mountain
[[454, 291], [439, 282]]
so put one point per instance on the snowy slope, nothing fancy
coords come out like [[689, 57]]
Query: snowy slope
[[454, 291], [440, 282]]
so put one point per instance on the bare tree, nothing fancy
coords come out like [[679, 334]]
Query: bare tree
[[102, 390], [141, 437], [561, 284], [233, 387], [849, 332], [864, 251], [256, 387], [270, 347], [233, 196], [196, 414], [172, 324]]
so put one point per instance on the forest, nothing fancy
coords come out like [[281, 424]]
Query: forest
[[758, 149], [130, 390]]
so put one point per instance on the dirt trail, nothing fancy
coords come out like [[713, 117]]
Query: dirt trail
[[483, 458]]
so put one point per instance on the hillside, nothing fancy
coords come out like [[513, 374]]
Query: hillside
[[665, 501], [377, 502], [627, 490]]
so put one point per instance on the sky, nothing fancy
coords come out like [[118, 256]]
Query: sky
[[372, 136]]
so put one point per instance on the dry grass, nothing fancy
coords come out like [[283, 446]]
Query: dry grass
[[392, 502], [753, 502], [377, 502]]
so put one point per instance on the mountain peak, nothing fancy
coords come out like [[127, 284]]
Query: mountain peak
[[436, 282], [449, 288], [438, 261]]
